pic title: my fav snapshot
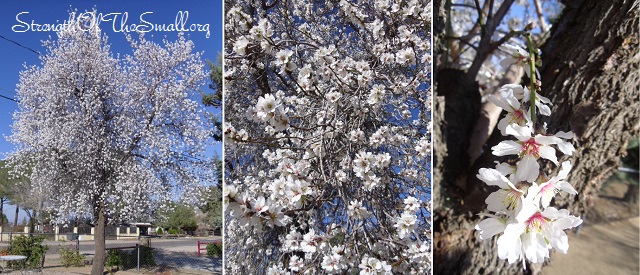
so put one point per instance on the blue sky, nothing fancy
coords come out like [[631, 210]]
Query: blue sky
[[16, 18]]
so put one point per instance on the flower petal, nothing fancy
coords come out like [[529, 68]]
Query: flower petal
[[522, 133], [559, 241], [505, 101], [565, 135], [568, 222], [506, 147], [502, 125], [528, 169], [545, 198], [544, 109], [564, 172], [543, 99], [504, 168], [493, 177], [552, 213], [490, 227], [525, 92], [549, 153], [546, 140], [565, 147], [509, 244], [516, 89], [565, 186], [535, 247], [526, 211], [507, 61], [496, 201]]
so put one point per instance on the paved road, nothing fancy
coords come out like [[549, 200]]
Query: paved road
[[88, 247], [605, 248], [173, 255]]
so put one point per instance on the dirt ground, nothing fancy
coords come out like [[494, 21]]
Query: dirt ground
[[608, 242]]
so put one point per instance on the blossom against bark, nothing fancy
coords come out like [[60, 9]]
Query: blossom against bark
[[529, 227]]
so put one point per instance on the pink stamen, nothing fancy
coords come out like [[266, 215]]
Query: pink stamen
[[536, 221], [512, 199], [531, 147], [518, 115]]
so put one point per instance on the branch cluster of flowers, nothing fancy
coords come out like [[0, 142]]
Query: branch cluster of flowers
[[529, 226], [327, 141]]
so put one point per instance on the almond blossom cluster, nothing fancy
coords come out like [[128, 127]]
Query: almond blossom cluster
[[522, 214], [327, 137]]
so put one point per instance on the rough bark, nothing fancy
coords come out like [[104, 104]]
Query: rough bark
[[461, 111], [632, 193], [15, 218], [32, 221], [2, 201], [100, 256], [595, 68], [591, 74]]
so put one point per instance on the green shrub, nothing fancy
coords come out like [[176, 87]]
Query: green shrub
[[160, 231], [214, 249], [146, 256], [30, 246], [71, 257], [113, 260], [129, 259], [174, 231]]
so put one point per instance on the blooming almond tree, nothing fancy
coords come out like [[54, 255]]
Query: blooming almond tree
[[327, 137], [107, 137]]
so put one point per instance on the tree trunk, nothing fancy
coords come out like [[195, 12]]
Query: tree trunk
[[32, 222], [100, 256], [15, 219], [2, 201], [631, 195], [591, 74]]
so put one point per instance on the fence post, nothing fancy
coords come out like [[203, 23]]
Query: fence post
[[138, 254], [198, 248]]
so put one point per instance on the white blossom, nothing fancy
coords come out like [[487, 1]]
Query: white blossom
[[327, 113]]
